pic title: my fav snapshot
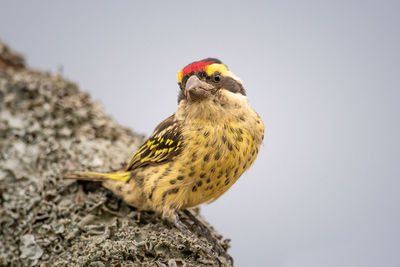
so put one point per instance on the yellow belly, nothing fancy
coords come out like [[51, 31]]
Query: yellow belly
[[213, 159]]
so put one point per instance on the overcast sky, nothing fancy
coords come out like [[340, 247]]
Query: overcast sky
[[323, 75]]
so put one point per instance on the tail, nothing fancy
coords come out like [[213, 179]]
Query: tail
[[98, 176]]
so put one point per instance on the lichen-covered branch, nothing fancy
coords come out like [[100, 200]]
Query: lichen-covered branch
[[48, 126]]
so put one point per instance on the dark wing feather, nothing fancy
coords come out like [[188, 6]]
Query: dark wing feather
[[163, 145]]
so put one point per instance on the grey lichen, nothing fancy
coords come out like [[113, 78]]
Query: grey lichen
[[48, 126]]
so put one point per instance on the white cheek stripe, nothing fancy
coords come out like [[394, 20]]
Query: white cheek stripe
[[236, 97]]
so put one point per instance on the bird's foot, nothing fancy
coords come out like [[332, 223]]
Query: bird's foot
[[203, 230], [178, 224]]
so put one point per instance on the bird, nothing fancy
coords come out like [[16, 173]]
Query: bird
[[196, 154]]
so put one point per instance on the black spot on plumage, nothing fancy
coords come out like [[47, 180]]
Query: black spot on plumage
[[224, 139], [202, 175], [230, 147], [194, 156], [170, 192], [217, 156], [173, 191], [180, 177]]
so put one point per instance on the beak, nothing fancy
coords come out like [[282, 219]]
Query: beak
[[197, 89]]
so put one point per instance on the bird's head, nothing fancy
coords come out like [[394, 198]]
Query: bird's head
[[207, 79]]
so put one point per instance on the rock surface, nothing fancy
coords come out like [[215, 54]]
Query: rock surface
[[48, 126]]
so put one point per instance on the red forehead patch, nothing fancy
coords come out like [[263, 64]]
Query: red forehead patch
[[195, 66]]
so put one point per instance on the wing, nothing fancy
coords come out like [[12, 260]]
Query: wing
[[163, 145]]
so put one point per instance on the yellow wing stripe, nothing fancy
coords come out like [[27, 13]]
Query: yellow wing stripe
[[149, 143], [163, 145]]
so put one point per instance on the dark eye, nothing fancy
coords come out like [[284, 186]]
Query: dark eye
[[217, 78]]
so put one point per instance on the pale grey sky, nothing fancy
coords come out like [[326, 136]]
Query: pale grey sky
[[323, 75]]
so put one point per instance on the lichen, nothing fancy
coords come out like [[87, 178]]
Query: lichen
[[48, 126]]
